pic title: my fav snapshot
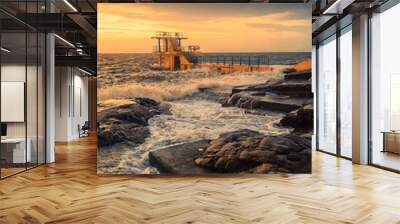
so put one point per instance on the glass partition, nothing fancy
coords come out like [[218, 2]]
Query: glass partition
[[327, 95], [346, 92], [41, 97], [31, 98], [22, 77], [13, 94], [385, 89]]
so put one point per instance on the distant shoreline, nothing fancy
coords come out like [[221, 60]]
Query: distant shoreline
[[280, 52], [267, 58]]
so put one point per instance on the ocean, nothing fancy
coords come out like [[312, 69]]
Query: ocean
[[272, 58], [195, 114], [122, 66]]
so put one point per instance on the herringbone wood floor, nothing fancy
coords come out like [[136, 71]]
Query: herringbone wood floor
[[69, 191]]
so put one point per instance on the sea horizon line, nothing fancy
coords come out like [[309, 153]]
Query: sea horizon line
[[233, 52]]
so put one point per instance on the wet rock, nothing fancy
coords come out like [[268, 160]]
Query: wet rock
[[291, 95], [110, 134], [250, 151], [127, 113], [278, 95], [301, 120], [127, 123], [146, 102], [258, 88], [299, 88], [294, 89], [232, 100], [263, 168], [180, 159], [293, 157], [210, 94], [258, 93], [298, 75], [240, 89], [289, 70], [267, 102], [237, 135], [155, 108]]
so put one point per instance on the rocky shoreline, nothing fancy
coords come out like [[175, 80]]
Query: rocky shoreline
[[241, 151], [252, 152], [247, 151]]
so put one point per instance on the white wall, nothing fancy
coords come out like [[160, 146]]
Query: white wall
[[62, 81], [12, 73], [33, 126], [13, 101], [314, 90], [80, 109], [71, 87], [16, 73]]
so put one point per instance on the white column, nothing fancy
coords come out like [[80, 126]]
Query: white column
[[63, 101], [360, 90], [314, 91], [50, 98]]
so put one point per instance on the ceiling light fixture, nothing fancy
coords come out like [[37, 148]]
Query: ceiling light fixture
[[333, 6], [70, 5], [64, 40], [79, 51], [5, 50], [337, 7], [84, 71]]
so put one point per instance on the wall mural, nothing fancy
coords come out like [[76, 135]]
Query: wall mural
[[204, 89]]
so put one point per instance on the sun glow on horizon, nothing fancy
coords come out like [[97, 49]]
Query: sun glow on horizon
[[227, 27]]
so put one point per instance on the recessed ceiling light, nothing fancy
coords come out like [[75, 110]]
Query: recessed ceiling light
[[337, 7], [5, 50], [70, 5], [64, 40], [84, 71]]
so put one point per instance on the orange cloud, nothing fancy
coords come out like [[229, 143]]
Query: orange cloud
[[251, 27]]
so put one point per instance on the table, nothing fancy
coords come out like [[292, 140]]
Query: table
[[13, 150], [391, 141]]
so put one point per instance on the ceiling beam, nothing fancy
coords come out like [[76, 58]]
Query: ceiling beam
[[337, 7], [84, 24], [49, 22], [77, 61]]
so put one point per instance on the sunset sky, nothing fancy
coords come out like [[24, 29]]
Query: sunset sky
[[234, 27]]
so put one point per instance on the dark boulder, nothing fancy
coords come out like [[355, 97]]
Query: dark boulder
[[294, 89], [301, 120], [127, 113], [298, 75], [146, 102], [283, 95], [178, 159], [289, 70], [266, 102], [242, 151], [250, 151], [127, 123]]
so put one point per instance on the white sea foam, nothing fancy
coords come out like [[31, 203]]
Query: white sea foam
[[190, 120], [123, 78]]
